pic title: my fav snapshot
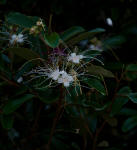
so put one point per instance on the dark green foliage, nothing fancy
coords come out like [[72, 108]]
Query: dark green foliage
[[99, 109]]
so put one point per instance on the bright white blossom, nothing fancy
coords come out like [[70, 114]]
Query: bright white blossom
[[55, 74], [75, 58], [65, 78], [109, 21], [61, 77], [17, 38], [20, 79]]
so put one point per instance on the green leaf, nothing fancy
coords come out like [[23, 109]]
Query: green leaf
[[128, 112], [26, 67], [12, 105], [97, 30], [48, 95], [7, 121], [96, 84], [120, 101], [129, 124], [118, 104], [71, 32], [85, 35], [130, 75], [24, 53], [132, 67], [113, 41], [133, 97], [125, 90], [59, 144], [99, 71], [52, 40], [22, 20]]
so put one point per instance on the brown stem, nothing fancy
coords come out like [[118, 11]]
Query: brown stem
[[37, 118], [58, 111], [9, 81], [97, 134], [49, 27]]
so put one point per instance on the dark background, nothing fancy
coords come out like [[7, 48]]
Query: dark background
[[86, 13]]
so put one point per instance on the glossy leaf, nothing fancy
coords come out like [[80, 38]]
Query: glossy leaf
[[96, 84], [125, 90], [132, 67], [71, 32], [52, 40], [129, 124], [24, 53], [22, 20], [99, 71], [85, 35], [133, 97], [114, 41], [12, 105]]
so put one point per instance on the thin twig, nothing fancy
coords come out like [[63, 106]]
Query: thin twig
[[58, 111]]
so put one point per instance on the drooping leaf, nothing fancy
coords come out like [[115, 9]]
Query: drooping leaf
[[114, 41], [21, 20], [52, 39], [132, 67], [85, 35], [133, 97], [125, 90], [24, 53], [96, 84], [99, 71], [12, 105], [129, 124], [71, 32]]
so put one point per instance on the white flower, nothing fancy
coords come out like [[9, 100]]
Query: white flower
[[20, 38], [65, 78], [17, 38], [13, 38], [54, 74], [109, 21], [39, 23], [20, 79], [75, 58]]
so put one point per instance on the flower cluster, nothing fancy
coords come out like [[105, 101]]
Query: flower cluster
[[63, 67], [61, 77], [75, 58], [66, 72], [37, 28]]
